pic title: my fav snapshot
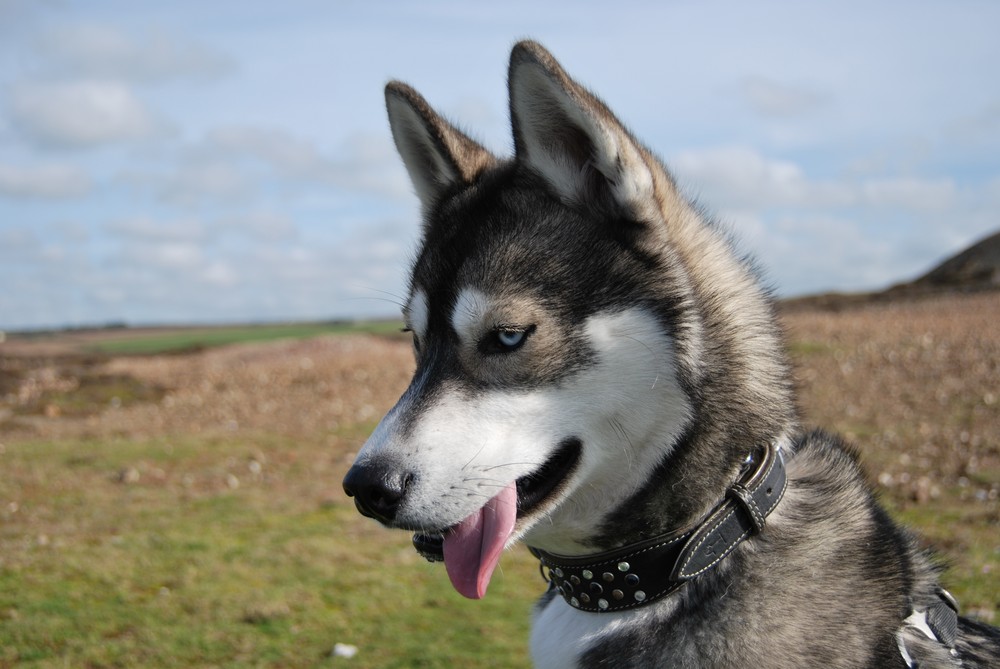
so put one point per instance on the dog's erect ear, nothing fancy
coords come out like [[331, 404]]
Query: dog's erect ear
[[436, 154], [569, 137]]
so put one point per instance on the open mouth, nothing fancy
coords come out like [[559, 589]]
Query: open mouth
[[536, 487], [532, 490]]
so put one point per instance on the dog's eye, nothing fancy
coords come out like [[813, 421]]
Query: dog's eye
[[510, 338], [505, 339], [416, 341]]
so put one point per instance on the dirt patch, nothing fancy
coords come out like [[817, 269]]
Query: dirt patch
[[913, 383], [285, 387]]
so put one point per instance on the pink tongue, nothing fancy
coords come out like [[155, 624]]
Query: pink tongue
[[472, 548]]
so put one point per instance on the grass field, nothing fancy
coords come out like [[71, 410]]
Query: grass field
[[191, 516], [176, 553], [180, 340]]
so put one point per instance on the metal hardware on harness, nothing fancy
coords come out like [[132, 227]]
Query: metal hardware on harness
[[640, 573], [938, 622]]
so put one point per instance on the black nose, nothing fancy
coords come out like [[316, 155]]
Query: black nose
[[377, 490]]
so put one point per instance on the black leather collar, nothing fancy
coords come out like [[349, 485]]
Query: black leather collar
[[640, 573]]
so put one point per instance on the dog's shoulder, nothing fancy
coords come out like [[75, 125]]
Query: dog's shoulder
[[833, 509]]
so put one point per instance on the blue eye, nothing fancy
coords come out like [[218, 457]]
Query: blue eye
[[505, 339], [511, 338]]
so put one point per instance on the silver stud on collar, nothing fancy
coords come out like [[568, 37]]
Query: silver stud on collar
[[605, 589]]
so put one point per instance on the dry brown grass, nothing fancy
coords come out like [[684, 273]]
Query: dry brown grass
[[916, 386], [913, 384], [290, 387]]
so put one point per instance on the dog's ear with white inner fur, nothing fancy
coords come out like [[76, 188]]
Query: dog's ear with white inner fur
[[570, 138], [436, 154]]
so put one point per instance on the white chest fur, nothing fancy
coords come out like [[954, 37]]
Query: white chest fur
[[560, 634]]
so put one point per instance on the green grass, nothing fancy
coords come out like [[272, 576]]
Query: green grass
[[181, 569], [962, 537], [173, 341], [94, 393]]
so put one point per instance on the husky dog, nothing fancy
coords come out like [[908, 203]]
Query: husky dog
[[601, 377]]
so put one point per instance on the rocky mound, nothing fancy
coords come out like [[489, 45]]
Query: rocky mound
[[975, 268]]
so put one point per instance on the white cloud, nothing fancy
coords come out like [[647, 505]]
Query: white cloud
[[17, 15], [362, 163], [848, 233], [92, 50], [371, 165], [204, 182], [803, 252], [280, 195], [910, 193], [18, 244], [255, 225], [992, 191], [220, 273], [81, 113], [771, 98], [73, 233], [285, 153], [238, 164], [43, 182], [741, 177], [145, 229], [267, 226], [172, 256]]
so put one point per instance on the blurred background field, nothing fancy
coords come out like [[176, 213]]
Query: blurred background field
[[172, 499]]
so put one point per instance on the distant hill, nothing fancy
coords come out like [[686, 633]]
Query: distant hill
[[975, 269]]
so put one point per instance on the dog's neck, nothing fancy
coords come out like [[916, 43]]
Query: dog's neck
[[640, 573]]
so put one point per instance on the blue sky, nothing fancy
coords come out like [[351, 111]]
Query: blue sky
[[230, 161]]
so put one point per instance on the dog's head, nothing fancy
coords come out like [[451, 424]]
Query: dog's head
[[557, 348]]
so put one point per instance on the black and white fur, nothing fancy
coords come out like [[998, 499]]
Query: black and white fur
[[570, 294]]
